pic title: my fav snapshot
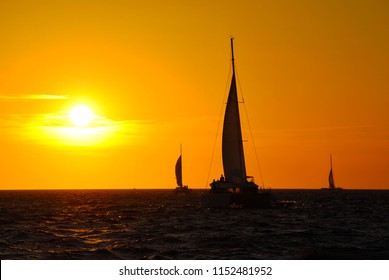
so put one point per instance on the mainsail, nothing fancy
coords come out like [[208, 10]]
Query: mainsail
[[232, 145], [331, 176], [179, 171]]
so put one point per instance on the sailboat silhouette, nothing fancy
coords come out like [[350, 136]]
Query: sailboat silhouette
[[233, 188], [180, 186], [331, 181]]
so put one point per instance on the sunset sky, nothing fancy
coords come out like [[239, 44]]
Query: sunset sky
[[314, 77]]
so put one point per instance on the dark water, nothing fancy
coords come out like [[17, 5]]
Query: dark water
[[160, 224]]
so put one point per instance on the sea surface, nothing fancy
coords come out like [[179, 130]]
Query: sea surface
[[161, 224]]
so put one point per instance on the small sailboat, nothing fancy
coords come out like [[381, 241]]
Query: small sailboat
[[180, 187], [331, 179], [235, 188]]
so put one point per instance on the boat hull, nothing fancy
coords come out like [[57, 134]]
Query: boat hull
[[237, 200], [183, 189]]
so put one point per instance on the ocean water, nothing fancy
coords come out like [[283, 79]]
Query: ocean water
[[161, 224]]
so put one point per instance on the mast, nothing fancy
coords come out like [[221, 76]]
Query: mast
[[232, 144], [232, 56], [182, 181]]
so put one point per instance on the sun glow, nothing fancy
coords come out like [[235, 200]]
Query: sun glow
[[81, 115], [80, 126]]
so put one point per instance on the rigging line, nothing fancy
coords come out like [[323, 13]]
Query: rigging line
[[218, 126], [182, 181], [251, 132]]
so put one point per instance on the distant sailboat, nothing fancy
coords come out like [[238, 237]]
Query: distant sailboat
[[234, 188], [180, 187], [331, 179]]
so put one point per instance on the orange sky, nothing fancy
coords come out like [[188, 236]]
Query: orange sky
[[314, 75]]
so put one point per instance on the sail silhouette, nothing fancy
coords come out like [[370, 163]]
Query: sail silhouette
[[331, 176], [179, 172], [180, 186], [331, 180]]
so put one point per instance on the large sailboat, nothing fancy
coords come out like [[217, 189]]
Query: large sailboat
[[331, 181], [180, 186], [235, 188]]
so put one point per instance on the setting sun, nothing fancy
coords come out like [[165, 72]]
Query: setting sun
[[81, 115]]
